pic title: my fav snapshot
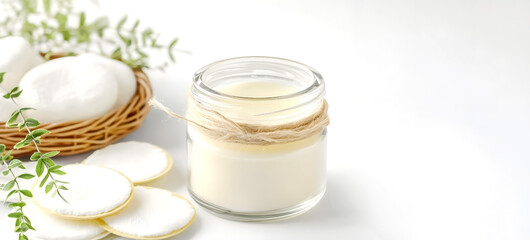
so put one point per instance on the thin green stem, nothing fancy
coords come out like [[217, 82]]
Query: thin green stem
[[36, 145], [20, 208]]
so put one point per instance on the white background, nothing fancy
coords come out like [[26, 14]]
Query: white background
[[429, 101]]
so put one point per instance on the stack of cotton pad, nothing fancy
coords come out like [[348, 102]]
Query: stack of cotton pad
[[77, 88], [64, 89], [101, 198]]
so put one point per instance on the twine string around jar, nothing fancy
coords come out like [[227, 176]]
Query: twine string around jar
[[217, 126]]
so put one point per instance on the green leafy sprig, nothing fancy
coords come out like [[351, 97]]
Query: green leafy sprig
[[44, 162], [52, 26], [22, 224]]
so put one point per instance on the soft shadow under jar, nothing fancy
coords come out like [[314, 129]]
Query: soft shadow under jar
[[257, 138]]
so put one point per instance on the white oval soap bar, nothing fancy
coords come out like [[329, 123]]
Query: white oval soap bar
[[140, 161], [122, 72], [17, 58], [69, 88]]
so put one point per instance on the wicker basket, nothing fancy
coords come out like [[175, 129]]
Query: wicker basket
[[75, 137]]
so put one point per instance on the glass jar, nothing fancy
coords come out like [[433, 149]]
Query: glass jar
[[257, 182]]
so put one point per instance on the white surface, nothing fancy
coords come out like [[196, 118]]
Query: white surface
[[152, 212], [140, 161], [92, 190], [428, 99]]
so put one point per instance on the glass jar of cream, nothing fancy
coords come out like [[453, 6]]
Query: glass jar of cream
[[257, 138]]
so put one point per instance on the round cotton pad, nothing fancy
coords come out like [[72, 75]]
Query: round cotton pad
[[152, 214], [51, 227], [24, 183], [93, 192], [68, 89], [140, 161]]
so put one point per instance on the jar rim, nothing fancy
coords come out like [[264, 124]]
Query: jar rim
[[317, 81]]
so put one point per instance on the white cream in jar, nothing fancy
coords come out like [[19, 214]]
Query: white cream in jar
[[257, 182]]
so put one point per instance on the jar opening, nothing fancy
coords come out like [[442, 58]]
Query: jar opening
[[257, 78]]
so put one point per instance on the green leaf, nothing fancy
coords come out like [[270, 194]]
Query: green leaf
[[26, 176], [39, 132], [82, 20], [145, 35], [15, 215], [2, 76], [27, 220], [50, 154], [44, 180], [22, 144], [53, 168], [26, 193], [46, 4], [13, 117], [5, 172], [116, 54], [22, 237], [61, 19], [135, 25], [11, 193], [29, 224], [59, 172], [172, 44], [7, 156], [2, 148], [49, 187], [63, 187], [48, 162], [35, 156], [16, 94], [9, 185], [14, 163], [39, 169], [121, 22], [30, 122], [17, 204]]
